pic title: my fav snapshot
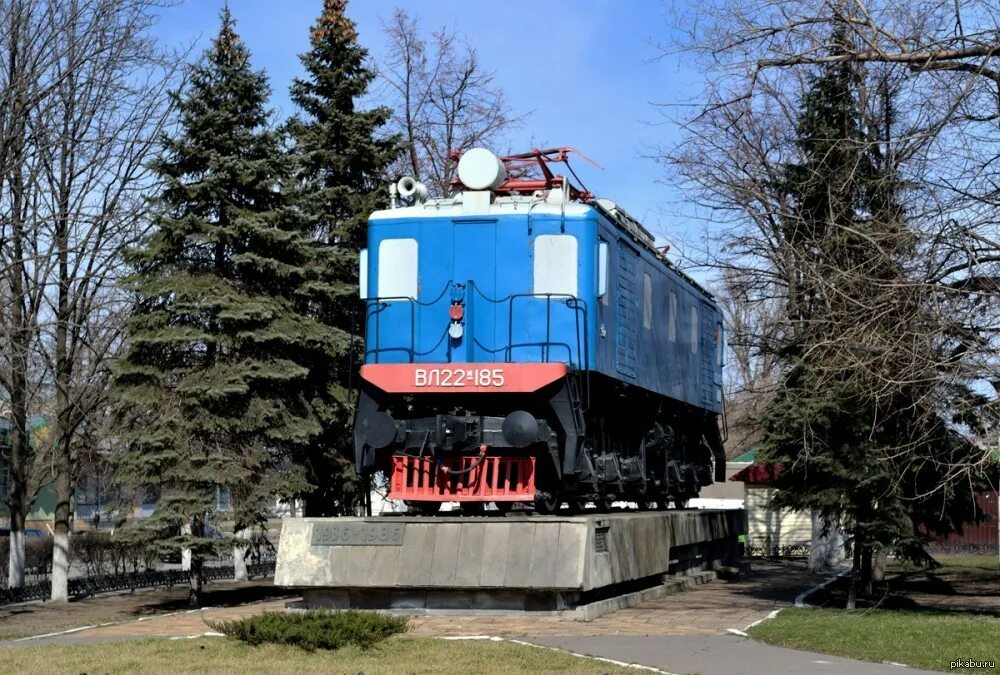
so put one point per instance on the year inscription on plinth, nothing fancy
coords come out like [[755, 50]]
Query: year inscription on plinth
[[357, 534]]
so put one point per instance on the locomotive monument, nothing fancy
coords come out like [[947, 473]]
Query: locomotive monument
[[526, 346]]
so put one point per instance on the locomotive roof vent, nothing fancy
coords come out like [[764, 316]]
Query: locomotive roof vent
[[480, 169]]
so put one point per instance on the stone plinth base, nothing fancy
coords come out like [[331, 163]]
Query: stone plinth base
[[502, 564]]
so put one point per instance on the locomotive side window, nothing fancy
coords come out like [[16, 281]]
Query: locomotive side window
[[397, 268], [602, 271], [720, 344], [363, 274], [647, 301], [555, 265], [672, 319], [694, 330]]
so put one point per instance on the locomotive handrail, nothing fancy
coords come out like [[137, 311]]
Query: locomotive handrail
[[375, 307], [382, 303], [571, 302]]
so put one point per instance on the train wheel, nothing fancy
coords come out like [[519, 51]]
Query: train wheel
[[471, 508], [649, 504], [578, 505], [548, 505], [681, 503], [423, 508], [504, 507], [603, 504]]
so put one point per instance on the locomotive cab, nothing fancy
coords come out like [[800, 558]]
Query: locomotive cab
[[527, 343]]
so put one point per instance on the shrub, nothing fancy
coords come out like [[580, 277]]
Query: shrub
[[102, 552], [37, 556], [314, 629]]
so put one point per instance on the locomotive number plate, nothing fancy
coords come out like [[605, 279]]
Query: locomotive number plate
[[357, 534], [458, 377]]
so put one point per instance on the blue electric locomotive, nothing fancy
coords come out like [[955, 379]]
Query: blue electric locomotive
[[528, 343]]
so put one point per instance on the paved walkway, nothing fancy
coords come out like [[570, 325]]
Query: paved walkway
[[708, 609], [716, 655]]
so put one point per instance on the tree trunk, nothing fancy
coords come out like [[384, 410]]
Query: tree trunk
[[61, 536], [21, 332], [62, 449], [60, 564], [240, 555], [185, 551], [852, 594], [195, 577], [19, 470], [15, 572], [825, 552], [62, 462], [881, 559], [866, 571]]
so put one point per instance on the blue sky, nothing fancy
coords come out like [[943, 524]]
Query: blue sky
[[587, 70]]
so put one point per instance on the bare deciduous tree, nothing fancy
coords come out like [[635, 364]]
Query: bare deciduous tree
[[752, 373], [892, 305], [443, 97], [98, 100], [102, 123], [27, 55]]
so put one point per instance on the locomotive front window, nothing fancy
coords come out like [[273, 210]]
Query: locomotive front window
[[397, 268], [363, 274], [555, 265]]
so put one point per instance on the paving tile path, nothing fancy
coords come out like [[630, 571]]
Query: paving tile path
[[716, 655], [707, 609]]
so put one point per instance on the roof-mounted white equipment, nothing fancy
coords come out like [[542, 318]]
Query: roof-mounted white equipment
[[480, 169], [412, 189]]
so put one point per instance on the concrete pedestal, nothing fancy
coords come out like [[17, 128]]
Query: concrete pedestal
[[580, 564]]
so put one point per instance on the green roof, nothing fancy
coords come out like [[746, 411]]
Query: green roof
[[748, 457]]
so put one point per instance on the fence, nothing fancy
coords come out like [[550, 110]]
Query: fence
[[118, 564], [975, 537], [753, 550], [148, 578]]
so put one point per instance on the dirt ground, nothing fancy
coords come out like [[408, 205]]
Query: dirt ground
[[37, 618], [963, 584], [708, 609]]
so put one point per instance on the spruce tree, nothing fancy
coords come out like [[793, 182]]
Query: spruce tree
[[836, 429], [341, 156], [225, 363]]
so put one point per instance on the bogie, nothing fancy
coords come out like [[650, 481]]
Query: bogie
[[625, 446]]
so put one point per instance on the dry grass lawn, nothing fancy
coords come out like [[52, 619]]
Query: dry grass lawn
[[223, 655]]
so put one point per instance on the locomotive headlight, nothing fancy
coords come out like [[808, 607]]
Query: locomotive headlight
[[380, 429]]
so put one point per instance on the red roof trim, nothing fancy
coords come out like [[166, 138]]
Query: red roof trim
[[758, 474]]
